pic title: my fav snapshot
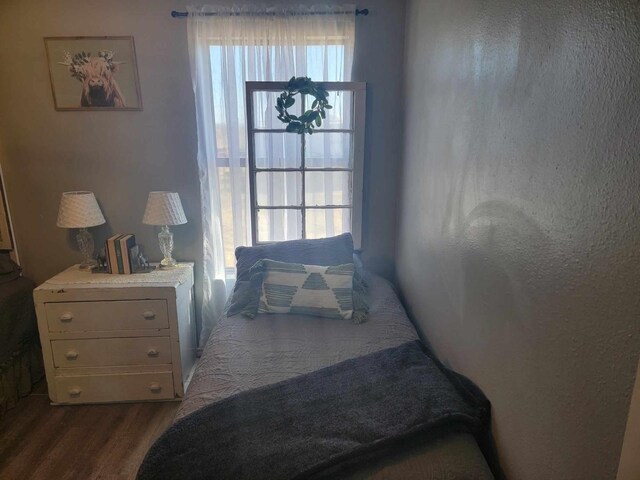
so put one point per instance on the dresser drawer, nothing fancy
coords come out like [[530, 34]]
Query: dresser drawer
[[103, 352], [106, 316], [114, 388]]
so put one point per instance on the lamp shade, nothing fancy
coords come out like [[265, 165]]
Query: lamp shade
[[79, 210], [164, 208]]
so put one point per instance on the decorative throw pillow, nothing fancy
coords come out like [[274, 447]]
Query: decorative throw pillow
[[245, 299], [307, 289], [277, 287]]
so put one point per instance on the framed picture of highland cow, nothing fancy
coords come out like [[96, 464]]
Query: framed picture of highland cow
[[93, 73]]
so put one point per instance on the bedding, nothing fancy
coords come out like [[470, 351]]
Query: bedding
[[304, 425], [20, 355], [9, 270], [244, 355], [336, 250]]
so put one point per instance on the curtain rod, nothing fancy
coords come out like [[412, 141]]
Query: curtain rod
[[364, 12]]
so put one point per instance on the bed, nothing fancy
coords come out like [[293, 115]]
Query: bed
[[245, 356], [20, 354]]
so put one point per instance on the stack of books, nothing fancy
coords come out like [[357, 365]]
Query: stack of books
[[122, 253]]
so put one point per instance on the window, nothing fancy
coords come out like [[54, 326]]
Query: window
[[305, 186], [229, 46], [229, 68]]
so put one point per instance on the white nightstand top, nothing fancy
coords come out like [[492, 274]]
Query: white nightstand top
[[74, 277]]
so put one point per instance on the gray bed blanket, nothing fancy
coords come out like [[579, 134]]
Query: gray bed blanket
[[312, 423]]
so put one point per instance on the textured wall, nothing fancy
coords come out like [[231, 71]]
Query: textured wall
[[121, 156], [519, 238]]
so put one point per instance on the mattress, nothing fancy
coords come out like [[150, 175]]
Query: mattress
[[244, 354]]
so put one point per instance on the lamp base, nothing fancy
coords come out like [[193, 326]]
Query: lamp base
[[86, 247], [165, 238], [167, 264]]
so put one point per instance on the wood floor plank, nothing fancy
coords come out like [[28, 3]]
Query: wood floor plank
[[107, 442]]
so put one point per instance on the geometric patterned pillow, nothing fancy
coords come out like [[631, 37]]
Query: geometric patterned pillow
[[307, 289]]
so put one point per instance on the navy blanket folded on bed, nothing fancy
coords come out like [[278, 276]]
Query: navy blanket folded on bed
[[307, 424]]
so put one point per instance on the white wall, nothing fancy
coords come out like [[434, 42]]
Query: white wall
[[519, 240]]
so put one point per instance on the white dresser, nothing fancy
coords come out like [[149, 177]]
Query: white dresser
[[117, 338]]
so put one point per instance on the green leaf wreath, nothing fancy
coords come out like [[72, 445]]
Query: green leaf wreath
[[310, 119]]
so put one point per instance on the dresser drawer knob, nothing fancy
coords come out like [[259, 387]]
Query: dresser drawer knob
[[71, 355], [74, 392], [155, 387], [149, 315], [152, 352], [66, 317]]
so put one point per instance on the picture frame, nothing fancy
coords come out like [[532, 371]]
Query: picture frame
[[93, 73], [6, 241]]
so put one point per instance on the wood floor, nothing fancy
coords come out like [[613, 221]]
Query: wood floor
[[39, 441]]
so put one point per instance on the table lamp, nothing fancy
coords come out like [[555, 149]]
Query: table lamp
[[81, 210], [164, 209]]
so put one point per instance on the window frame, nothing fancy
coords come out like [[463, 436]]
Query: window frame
[[359, 92]]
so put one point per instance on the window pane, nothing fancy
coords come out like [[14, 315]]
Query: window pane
[[277, 150], [327, 222], [279, 225], [325, 61], [279, 189], [265, 114], [328, 188], [341, 115], [323, 150]]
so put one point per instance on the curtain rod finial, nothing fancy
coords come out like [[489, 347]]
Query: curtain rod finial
[[364, 12]]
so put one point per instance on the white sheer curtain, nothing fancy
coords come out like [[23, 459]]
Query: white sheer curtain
[[229, 46]]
